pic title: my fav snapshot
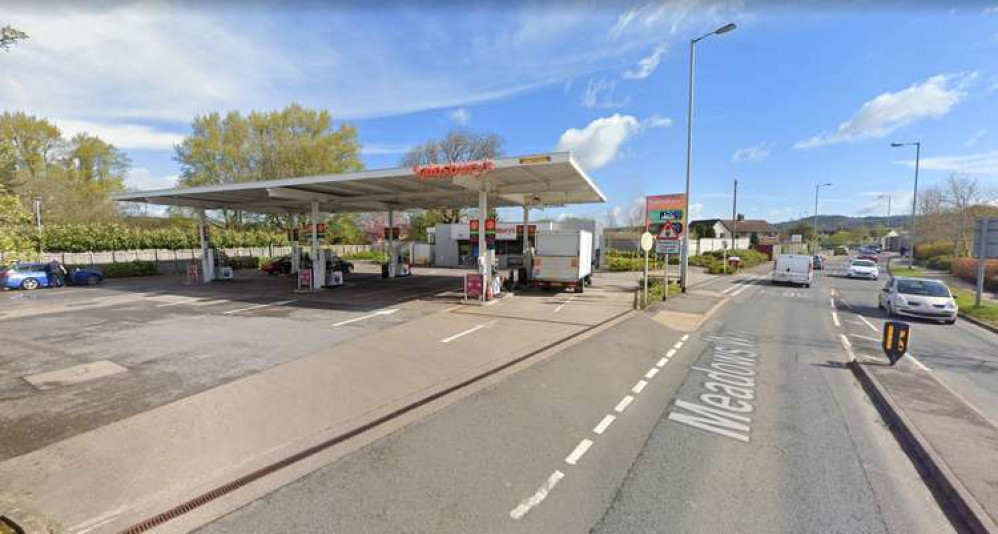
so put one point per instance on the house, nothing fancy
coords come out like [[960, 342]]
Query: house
[[757, 230]]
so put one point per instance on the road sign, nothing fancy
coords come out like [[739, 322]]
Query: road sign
[[667, 246], [990, 243], [647, 240], [670, 230], [660, 209], [895, 341]]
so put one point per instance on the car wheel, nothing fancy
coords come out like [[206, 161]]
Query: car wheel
[[29, 284], [92, 280], [950, 321]]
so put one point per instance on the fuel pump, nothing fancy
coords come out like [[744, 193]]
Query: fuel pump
[[221, 268], [399, 258]]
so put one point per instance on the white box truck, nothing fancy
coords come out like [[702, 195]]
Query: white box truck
[[797, 269], [563, 258]]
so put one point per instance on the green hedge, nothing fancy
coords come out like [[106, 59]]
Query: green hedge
[[620, 261], [375, 256], [112, 236], [132, 268]]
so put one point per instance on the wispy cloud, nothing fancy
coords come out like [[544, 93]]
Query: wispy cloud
[[753, 153], [375, 149], [657, 121], [646, 66], [599, 142], [142, 179], [982, 163], [123, 136], [460, 116], [975, 138], [932, 98], [990, 10], [600, 94]]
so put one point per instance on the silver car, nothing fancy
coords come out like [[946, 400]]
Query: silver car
[[918, 297]]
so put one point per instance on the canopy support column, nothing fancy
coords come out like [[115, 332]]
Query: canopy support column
[[207, 262], [484, 266], [316, 270], [528, 261], [391, 244]]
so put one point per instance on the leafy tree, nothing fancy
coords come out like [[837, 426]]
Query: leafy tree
[[14, 228], [419, 222], [457, 146], [9, 36], [292, 142], [344, 229]]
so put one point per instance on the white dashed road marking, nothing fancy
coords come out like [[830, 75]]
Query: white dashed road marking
[[835, 319], [538, 497], [258, 306], [604, 424], [623, 404], [580, 449], [651, 373], [662, 362], [639, 386], [670, 353], [563, 304], [462, 334], [375, 314]]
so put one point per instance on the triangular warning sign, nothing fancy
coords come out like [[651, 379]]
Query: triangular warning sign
[[667, 231]]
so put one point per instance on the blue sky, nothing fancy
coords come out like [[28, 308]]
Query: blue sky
[[796, 96]]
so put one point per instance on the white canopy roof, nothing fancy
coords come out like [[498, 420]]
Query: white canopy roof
[[541, 180]]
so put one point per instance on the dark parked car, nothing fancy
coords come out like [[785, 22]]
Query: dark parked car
[[35, 275], [818, 261], [282, 265]]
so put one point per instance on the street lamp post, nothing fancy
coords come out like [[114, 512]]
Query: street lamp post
[[685, 263], [914, 196], [814, 227]]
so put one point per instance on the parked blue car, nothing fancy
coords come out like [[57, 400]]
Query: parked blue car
[[35, 275]]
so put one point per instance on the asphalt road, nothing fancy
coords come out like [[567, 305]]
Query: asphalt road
[[964, 356], [619, 433]]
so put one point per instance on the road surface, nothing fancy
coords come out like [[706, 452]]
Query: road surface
[[749, 424]]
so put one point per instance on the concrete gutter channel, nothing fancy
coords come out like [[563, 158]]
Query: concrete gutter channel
[[953, 447], [130, 475]]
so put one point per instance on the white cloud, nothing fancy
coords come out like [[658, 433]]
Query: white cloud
[[696, 210], [599, 142], [657, 121], [757, 152], [990, 10], [975, 138], [141, 179], [374, 149], [647, 66], [933, 98], [123, 136], [566, 215], [460, 116], [985, 163], [599, 94]]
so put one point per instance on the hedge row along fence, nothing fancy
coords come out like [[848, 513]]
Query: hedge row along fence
[[110, 237]]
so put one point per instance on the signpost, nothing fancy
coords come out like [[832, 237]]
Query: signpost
[[985, 247], [647, 240], [895, 340], [664, 218]]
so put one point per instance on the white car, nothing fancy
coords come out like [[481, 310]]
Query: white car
[[863, 269], [918, 297]]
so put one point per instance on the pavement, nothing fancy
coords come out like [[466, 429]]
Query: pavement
[[605, 436], [395, 359]]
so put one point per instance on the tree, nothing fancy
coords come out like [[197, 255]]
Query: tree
[[292, 142], [805, 230], [9, 36], [344, 229], [458, 145], [73, 178], [14, 223]]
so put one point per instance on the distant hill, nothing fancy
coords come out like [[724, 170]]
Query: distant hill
[[831, 223]]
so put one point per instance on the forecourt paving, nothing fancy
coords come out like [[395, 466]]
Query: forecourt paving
[[584, 442], [111, 477]]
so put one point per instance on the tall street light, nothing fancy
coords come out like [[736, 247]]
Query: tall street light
[[888, 197], [685, 264], [914, 196], [814, 229]]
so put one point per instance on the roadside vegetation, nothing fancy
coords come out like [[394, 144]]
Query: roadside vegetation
[[714, 261], [656, 289], [986, 312]]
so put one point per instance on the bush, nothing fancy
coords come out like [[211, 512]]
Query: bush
[[375, 256], [933, 249], [244, 262], [114, 236], [966, 268], [940, 263], [133, 268]]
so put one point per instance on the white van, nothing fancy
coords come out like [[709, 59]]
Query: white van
[[795, 269]]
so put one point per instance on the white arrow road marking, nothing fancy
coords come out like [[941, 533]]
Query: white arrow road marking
[[363, 317], [563, 304]]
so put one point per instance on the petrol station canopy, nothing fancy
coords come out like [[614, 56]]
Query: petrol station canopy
[[540, 180]]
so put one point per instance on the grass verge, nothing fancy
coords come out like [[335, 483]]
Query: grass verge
[[986, 312]]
